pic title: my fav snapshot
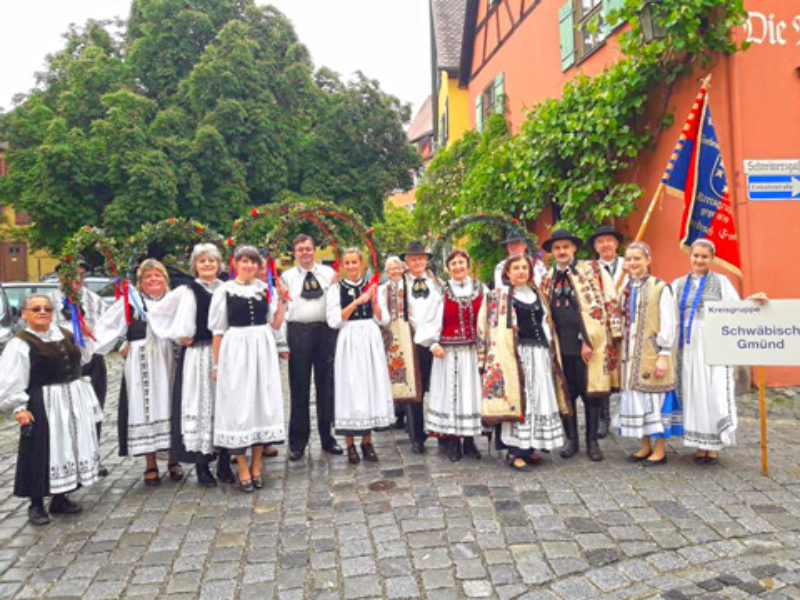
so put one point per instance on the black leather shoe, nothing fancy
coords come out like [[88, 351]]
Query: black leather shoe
[[653, 463], [470, 449], [454, 450], [246, 486], [61, 505], [570, 451], [102, 471], [224, 471], [295, 455], [175, 471], [593, 451], [637, 458], [369, 452], [352, 455], [333, 448], [204, 476], [37, 515], [417, 448], [258, 482]]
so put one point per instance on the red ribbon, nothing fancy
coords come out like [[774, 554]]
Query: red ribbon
[[125, 291], [83, 325]]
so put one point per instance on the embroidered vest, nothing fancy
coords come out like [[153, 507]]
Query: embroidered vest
[[459, 323], [348, 292], [52, 362]]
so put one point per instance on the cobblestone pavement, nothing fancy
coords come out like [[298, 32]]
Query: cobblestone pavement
[[419, 526]]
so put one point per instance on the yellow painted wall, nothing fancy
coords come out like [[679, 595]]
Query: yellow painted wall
[[458, 104]]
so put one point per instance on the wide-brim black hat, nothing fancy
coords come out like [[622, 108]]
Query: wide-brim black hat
[[513, 236], [562, 234], [604, 230], [415, 249]]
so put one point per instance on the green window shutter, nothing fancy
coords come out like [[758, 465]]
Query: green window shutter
[[479, 113], [566, 27], [499, 95], [608, 6]]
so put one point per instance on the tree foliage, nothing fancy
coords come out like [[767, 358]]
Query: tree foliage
[[200, 108]]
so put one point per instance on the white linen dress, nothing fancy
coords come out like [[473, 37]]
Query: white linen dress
[[248, 407], [707, 392], [148, 379], [362, 391], [454, 403], [71, 410]]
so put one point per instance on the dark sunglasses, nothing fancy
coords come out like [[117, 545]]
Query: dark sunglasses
[[38, 309]]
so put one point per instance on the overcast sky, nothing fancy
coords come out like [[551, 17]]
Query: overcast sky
[[386, 39]]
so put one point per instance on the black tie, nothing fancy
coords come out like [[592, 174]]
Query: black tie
[[311, 287], [608, 268], [419, 289]]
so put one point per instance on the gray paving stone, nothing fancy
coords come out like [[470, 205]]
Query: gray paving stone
[[401, 587], [574, 588], [362, 587]]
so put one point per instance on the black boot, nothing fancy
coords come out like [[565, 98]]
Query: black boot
[[470, 449], [454, 449], [605, 419], [571, 430], [592, 424], [224, 471], [204, 476], [498, 439]]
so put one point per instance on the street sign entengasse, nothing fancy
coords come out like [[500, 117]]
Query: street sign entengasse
[[773, 179]]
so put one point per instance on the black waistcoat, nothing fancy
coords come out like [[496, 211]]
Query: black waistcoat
[[202, 299], [246, 312], [529, 322], [137, 329], [348, 293], [52, 362]]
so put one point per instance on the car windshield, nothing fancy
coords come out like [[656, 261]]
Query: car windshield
[[16, 294], [98, 284]]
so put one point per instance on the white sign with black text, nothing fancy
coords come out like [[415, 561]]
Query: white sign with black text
[[746, 333]]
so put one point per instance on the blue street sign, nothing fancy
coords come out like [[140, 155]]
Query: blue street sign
[[773, 187]]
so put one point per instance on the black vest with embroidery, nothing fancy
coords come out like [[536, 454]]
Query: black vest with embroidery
[[202, 299], [529, 322], [348, 292], [247, 311], [52, 362]]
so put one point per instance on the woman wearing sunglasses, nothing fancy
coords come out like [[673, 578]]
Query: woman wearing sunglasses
[[40, 379]]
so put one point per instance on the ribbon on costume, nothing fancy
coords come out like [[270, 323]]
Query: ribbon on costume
[[78, 324], [695, 303], [135, 301]]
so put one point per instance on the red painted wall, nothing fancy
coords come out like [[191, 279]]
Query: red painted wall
[[755, 102]]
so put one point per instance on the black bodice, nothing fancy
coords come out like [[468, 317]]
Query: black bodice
[[52, 362], [202, 299], [348, 292], [247, 311], [137, 330], [529, 322]]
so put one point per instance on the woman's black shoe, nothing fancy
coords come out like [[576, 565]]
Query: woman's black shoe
[[369, 452], [246, 485], [61, 505], [175, 471], [653, 463], [638, 458], [258, 482], [454, 450], [224, 471], [37, 515], [470, 449], [352, 455], [204, 476]]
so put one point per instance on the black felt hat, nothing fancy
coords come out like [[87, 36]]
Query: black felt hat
[[561, 234], [512, 235], [604, 230], [415, 248]]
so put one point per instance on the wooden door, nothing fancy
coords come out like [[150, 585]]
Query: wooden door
[[13, 261]]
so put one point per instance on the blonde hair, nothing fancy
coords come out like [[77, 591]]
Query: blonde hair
[[150, 264]]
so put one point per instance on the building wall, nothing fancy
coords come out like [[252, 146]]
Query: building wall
[[457, 101], [753, 98]]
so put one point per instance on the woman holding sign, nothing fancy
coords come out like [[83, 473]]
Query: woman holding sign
[[707, 392], [362, 391]]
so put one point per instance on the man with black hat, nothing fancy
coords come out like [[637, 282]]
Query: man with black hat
[[584, 306], [605, 242], [424, 291], [92, 307], [312, 344]]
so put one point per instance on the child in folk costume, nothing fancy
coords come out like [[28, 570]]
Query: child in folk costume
[[454, 405], [707, 392], [183, 317], [248, 408], [362, 392], [145, 404], [648, 407], [523, 383]]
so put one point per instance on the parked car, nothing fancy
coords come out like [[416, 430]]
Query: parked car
[[8, 317], [101, 285], [17, 291]]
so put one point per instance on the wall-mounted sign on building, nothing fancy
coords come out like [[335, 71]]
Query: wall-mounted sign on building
[[773, 179]]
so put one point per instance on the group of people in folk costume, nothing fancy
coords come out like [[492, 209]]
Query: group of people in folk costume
[[451, 357]]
